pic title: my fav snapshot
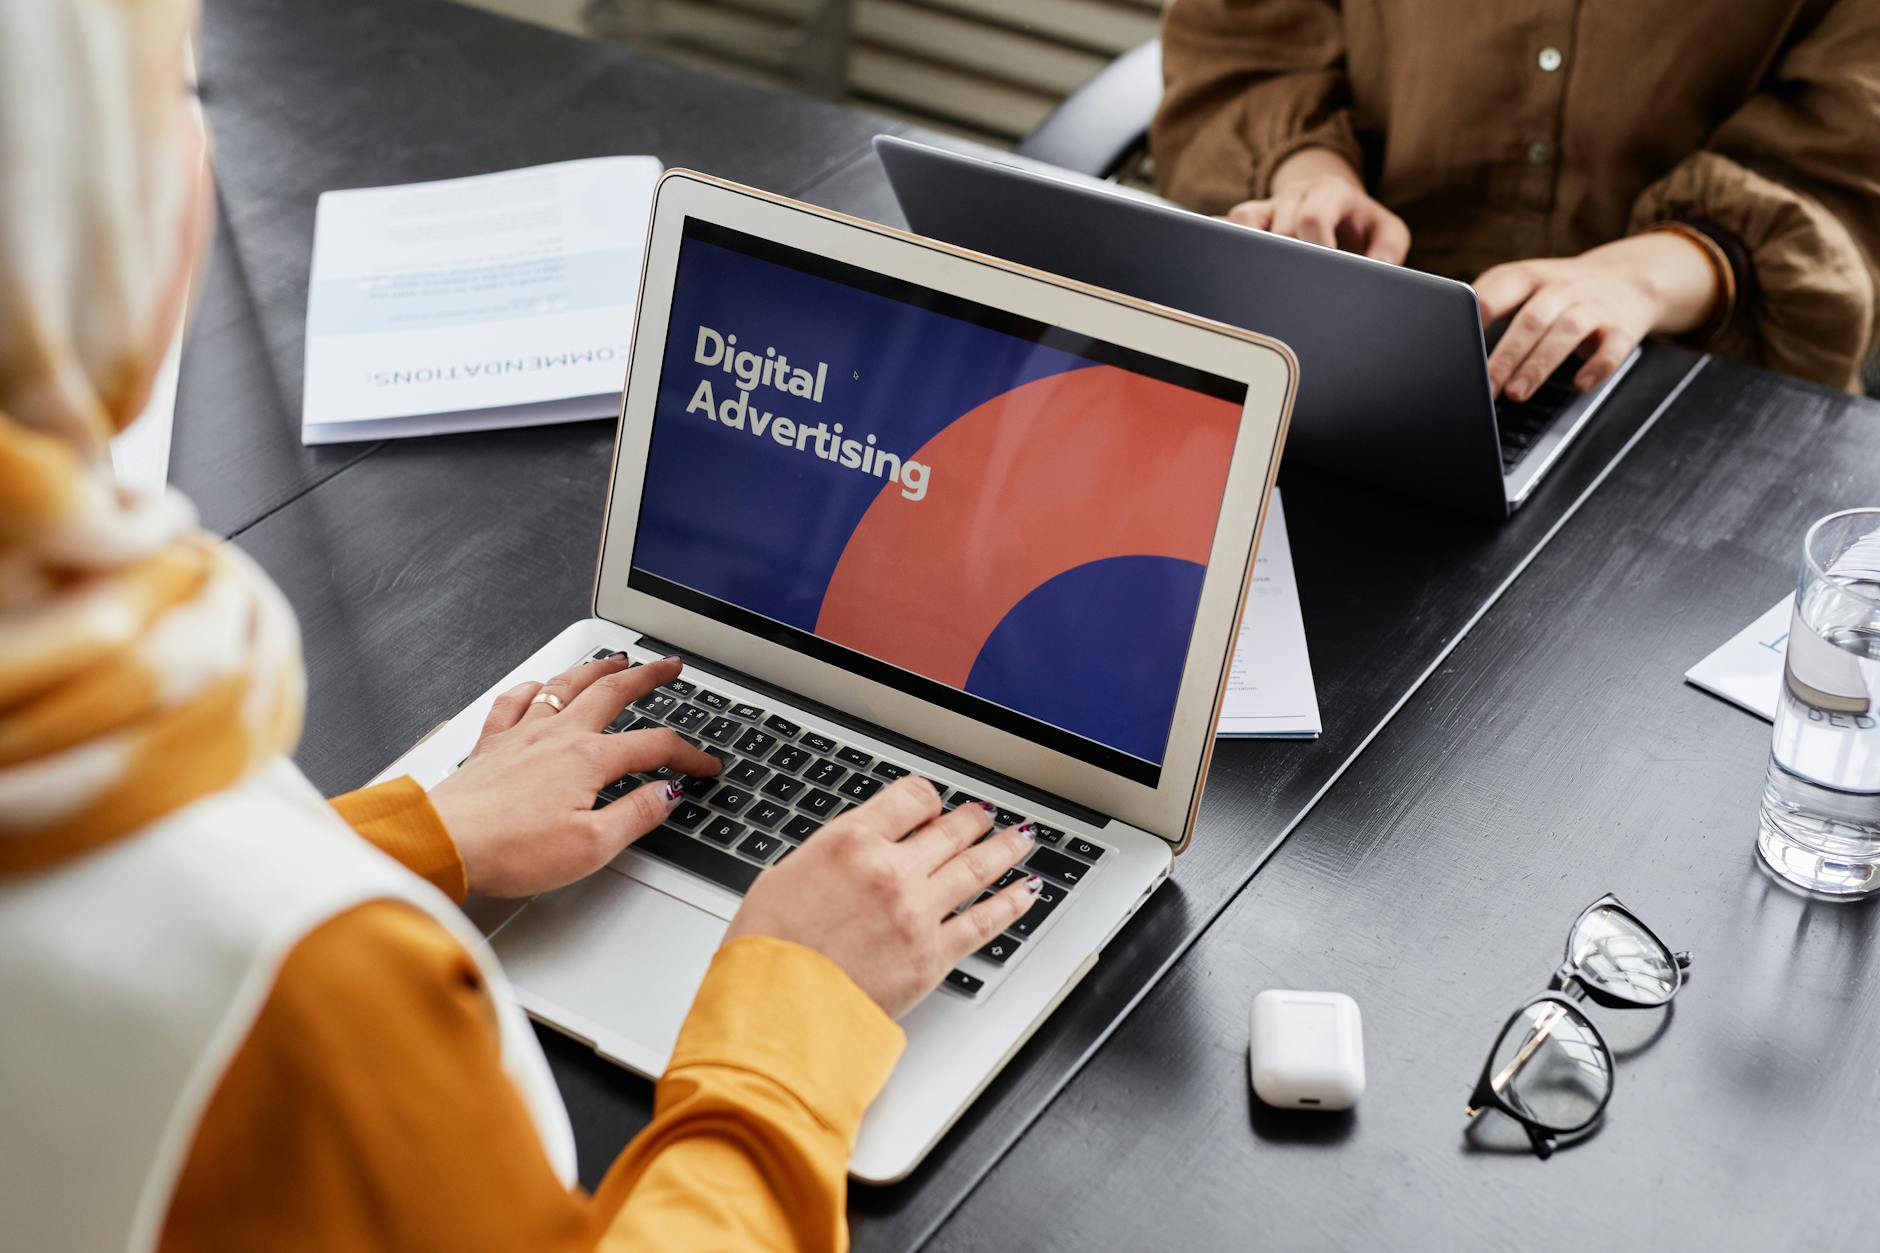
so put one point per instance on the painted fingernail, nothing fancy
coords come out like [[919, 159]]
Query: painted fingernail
[[672, 657], [673, 792], [989, 807], [616, 655], [1029, 831], [1034, 885]]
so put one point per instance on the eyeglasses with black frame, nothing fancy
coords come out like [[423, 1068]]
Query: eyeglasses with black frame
[[1550, 1069]]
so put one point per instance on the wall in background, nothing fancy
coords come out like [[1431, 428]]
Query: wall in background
[[990, 69]]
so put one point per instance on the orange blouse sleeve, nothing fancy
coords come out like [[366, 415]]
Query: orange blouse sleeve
[[397, 817], [369, 1109]]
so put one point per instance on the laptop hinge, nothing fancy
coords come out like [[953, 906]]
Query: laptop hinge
[[1083, 813]]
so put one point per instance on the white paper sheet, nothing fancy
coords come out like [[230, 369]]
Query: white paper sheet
[[1747, 671], [498, 300], [1269, 688]]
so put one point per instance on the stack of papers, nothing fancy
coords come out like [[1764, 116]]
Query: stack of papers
[[473, 303], [1269, 688]]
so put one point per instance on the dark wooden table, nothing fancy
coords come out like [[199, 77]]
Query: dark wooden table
[[420, 568], [1555, 755]]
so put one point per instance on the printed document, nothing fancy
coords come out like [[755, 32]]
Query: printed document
[[474, 303], [1269, 688]]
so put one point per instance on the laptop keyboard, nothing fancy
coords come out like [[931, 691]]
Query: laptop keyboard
[[1522, 422], [782, 781]]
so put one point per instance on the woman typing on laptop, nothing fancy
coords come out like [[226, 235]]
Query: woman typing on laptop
[[1600, 174], [230, 1021]]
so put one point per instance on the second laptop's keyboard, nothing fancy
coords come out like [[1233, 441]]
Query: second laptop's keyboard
[[782, 781], [1523, 422]]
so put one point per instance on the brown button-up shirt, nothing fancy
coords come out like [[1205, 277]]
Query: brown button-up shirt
[[1531, 128]]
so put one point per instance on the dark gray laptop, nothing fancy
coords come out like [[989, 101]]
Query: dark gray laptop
[[1393, 365]]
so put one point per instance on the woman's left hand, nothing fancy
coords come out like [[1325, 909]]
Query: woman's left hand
[[521, 808], [1603, 301]]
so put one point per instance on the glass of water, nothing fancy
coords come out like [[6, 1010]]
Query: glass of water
[[1821, 798]]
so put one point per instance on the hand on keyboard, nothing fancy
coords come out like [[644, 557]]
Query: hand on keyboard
[[873, 891], [1601, 303], [521, 807]]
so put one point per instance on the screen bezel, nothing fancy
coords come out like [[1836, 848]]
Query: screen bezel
[[1266, 367]]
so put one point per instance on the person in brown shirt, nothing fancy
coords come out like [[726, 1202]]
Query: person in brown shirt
[[1602, 172]]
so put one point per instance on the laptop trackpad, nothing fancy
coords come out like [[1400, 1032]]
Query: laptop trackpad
[[612, 960]]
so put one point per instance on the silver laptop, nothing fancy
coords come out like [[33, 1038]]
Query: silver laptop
[[903, 510], [1395, 370]]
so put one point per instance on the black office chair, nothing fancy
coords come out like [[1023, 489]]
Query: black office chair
[[1102, 128]]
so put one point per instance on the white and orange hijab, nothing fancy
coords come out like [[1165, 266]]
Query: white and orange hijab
[[142, 665], [159, 857]]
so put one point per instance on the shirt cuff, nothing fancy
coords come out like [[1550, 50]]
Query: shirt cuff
[[1334, 133], [399, 818], [789, 1013]]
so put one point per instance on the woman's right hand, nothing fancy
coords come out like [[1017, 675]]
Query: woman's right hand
[[874, 891], [1319, 198]]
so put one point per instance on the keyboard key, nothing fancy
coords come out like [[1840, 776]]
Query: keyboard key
[[888, 770], [1067, 870], [1010, 877], [680, 687], [731, 799], [853, 756], [766, 814], [712, 700], [601, 654], [656, 704], [1006, 818], [962, 798], [960, 981], [719, 730], [643, 723], [801, 828], [688, 717], [724, 758], [1051, 835], [782, 726], [699, 786], [860, 787], [784, 788], [1049, 899], [1082, 848], [1000, 950], [688, 815], [824, 773], [763, 847], [722, 830], [747, 774], [819, 803], [686, 853], [755, 743], [818, 743], [789, 757], [750, 713]]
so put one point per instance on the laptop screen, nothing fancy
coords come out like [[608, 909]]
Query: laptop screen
[[990, 513]]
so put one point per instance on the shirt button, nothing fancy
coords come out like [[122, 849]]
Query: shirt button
[[1550, 59], [1540, 152]]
